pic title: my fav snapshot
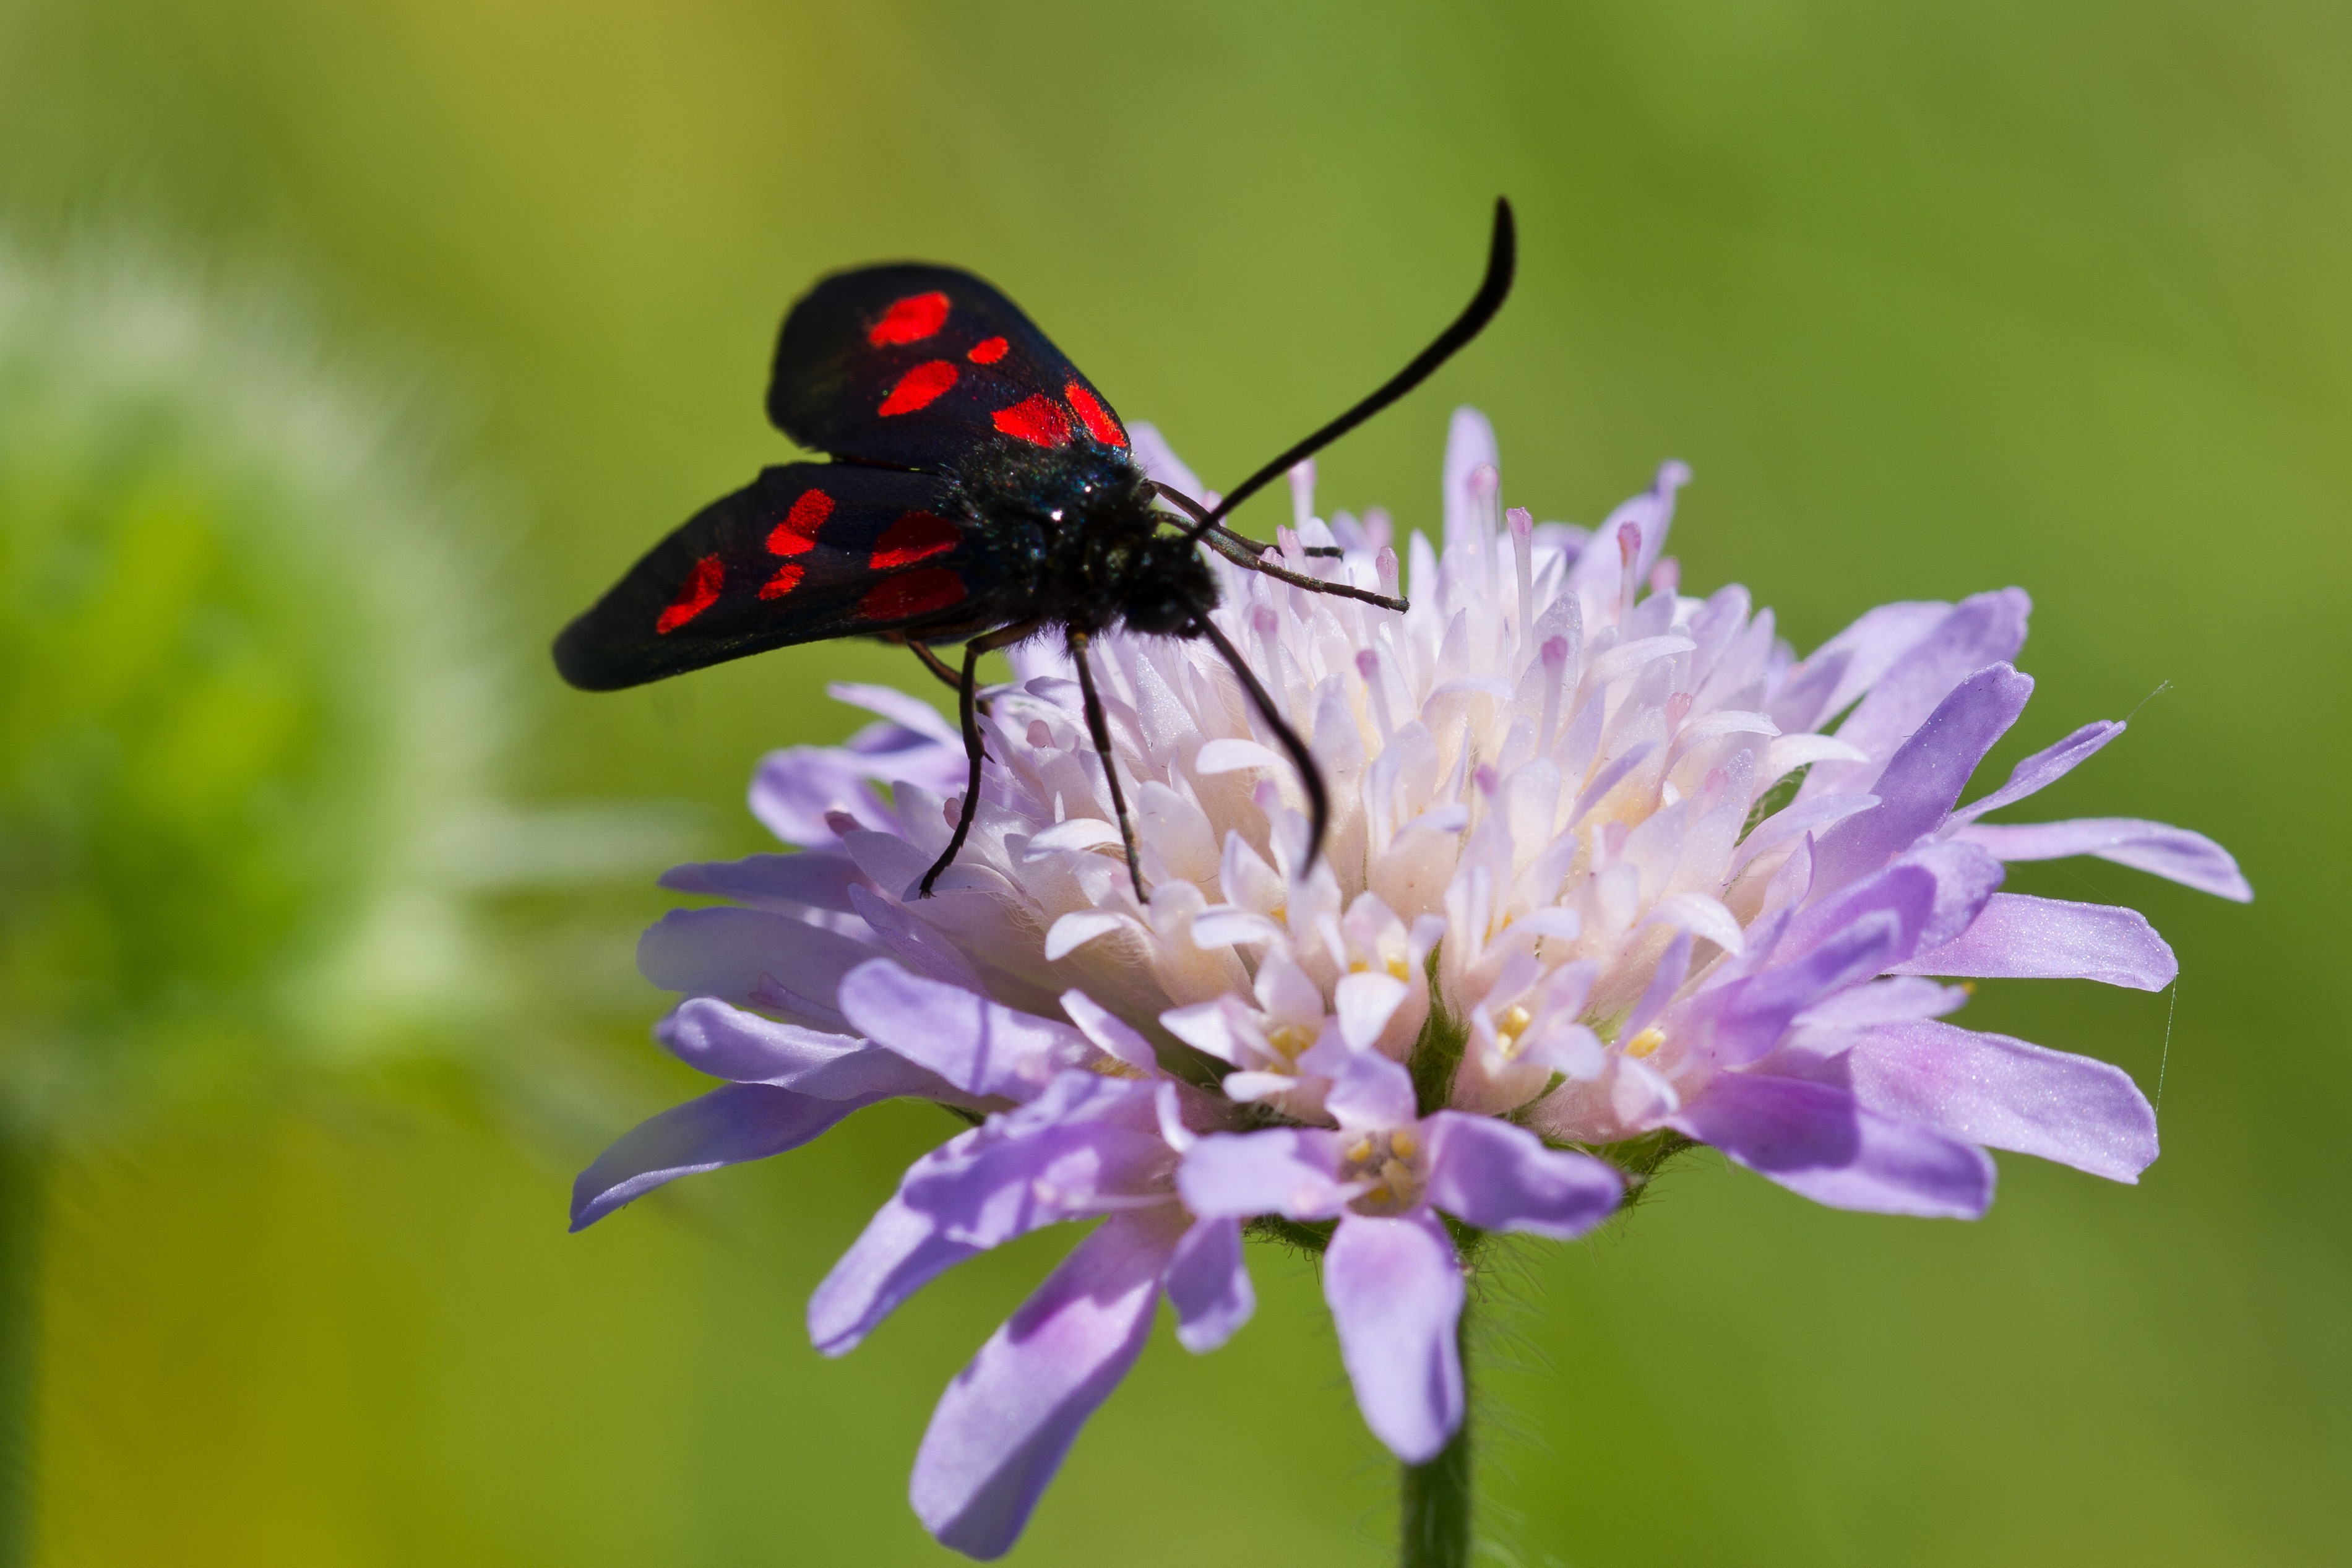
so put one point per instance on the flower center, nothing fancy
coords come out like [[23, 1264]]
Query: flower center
[[1509, 1029], [1288, 1040], [1646, 1043], [1390, 1161]]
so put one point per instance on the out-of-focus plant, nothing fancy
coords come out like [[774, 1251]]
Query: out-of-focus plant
[[249, 724]]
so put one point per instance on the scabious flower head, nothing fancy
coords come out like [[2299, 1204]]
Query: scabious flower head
[[1600, 879]]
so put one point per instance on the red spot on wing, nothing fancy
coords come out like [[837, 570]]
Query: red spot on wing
[[912, 594], [1096, 418], [702, 592], [796, 535], [920, 387], [1037, 419], [787, 578], [911, 320], [988, 350], [918, 536]]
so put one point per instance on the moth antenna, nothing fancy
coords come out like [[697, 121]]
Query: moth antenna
[[1308, 773], [1244, 551], [1502, 261]]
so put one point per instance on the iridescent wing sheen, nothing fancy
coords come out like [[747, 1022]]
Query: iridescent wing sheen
[[921, 367], [806, 552]]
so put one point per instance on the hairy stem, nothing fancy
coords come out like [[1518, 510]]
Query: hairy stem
[[1435, 1525]]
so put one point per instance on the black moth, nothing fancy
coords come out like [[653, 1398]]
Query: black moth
[[981, 490]]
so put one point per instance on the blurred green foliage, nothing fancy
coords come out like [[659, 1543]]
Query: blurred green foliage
[[1932, 298], [242, 695]]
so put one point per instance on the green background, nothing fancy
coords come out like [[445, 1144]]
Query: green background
[[1932, 298]]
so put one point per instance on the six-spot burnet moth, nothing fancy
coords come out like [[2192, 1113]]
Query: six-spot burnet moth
[[981, 489]]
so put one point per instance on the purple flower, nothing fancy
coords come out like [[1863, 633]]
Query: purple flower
[[1391, 1274], [1599, 881]]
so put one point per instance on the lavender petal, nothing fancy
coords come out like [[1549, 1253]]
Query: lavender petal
[[2175, 853], [740, 955], [2020, 937], [2044, 768], [731, 1125], [1983, 629], [727, 1042], [1208, 1283], [1819, 1141], [1005, 1425], [2007, 1094], [1087, 1143], [1501, 1177], [1287, 1171], [979, 1046], [811, 880], [1740, 1022], [1395, 1288], [1924, 778]]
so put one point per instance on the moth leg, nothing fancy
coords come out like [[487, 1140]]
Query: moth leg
[[930, 661], [1098, 726], [1310, 774], [968, 704], [935, 664]]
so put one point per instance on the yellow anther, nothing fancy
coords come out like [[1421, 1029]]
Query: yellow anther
[[1396, 1176], [1400, 969], [1360, 1153], [1509, 1027], [1403, 1144], [1111, 1067], [1645, 1043], [1288, 1040]]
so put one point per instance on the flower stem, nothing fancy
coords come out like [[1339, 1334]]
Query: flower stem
[[1435, 1497], [21, 1192]]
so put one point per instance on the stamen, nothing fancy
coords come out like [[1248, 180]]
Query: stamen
[[1368, 665], [1523, 545], [1266, 623], [1288, 1040], [1555, 667], [1629, 550], [1646, 1043]]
